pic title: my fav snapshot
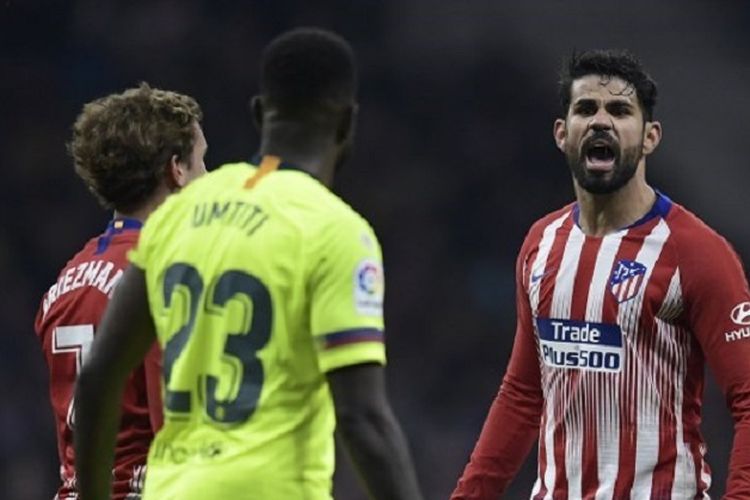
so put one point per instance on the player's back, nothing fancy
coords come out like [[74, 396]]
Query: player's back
[[230, 263], [66, 324]]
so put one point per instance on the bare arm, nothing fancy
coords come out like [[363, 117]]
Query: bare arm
[[152, 367], [371, 433], [125, 335]]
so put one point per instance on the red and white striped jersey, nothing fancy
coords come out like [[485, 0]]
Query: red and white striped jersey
[[607, 365]]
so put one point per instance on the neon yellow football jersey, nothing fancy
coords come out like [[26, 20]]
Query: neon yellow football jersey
[[259, 281]]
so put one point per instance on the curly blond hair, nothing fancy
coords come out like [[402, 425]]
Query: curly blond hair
[[122, 143]]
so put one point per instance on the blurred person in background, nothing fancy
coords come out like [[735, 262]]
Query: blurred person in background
[[265, 291], [621, 298], [132, 150]]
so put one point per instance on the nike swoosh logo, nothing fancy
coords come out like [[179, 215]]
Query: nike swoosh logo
[[537, 277]]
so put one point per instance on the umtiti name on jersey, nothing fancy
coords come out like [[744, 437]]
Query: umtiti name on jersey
[[242, 215]]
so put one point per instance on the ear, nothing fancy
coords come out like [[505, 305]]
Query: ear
[[177, 175], [560, 133], [347, 123], [651, 137], [256, 109]]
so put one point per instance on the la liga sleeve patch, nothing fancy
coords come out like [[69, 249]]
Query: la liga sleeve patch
[[369, 287]]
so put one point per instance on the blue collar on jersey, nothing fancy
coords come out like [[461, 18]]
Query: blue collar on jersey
[[257, 159], [116, 226], [661, 208]]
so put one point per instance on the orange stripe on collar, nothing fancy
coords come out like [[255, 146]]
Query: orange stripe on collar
[[267, 165]]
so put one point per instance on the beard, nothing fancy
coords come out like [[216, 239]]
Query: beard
[[625, 165]]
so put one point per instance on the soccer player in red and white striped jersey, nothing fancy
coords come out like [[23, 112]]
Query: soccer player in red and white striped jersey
[[622, 297], [131, 149]]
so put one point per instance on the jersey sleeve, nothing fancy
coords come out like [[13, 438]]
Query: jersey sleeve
[[346, 286], [717, 304], [512, 424]]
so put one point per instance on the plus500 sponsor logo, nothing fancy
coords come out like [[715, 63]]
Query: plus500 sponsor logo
[[580, 344]]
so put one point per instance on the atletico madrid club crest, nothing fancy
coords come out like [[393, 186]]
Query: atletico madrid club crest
[[627, 279]]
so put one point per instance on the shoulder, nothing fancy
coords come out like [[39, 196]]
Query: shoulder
[[320, 208], [550, 222], [120, 244], [343, 213], [344, 232], [546, 224], [86, 253], [704, 256], [336, 234], [81, 256], [345, 219], [86, 279], [693, 238]]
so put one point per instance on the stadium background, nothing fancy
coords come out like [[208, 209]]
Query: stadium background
[[454, 160]]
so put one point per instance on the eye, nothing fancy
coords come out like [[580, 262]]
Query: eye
[[620, 109], [585, 108]]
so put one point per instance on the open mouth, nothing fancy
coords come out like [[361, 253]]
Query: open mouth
[[600, 157]]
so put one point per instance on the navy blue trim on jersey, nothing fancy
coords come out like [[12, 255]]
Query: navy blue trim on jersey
[[257, 159], [353, 336], [116, 226], [661, 208]]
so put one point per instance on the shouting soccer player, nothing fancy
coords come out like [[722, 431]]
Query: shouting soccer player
[[621, 298], [131, 150], [265, 291]]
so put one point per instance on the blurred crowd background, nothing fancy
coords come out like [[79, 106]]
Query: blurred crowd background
[[454, 160]]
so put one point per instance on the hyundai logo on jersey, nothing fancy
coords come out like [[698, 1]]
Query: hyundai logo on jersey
[[741, 313], [590, 346], [627, 278]]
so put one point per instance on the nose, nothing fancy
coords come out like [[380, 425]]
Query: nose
[[601, 120]]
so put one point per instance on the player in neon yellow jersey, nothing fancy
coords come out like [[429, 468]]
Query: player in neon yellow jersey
[[265, 291]]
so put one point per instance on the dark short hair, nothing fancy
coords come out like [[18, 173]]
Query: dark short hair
[[122, 142], [609, 63], [307, 70]]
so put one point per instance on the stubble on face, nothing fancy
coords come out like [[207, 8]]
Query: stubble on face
[[604, 131], [625, 165]]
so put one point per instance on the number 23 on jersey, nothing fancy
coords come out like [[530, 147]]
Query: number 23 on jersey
[[240, 348]]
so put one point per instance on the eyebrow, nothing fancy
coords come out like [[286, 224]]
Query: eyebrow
[[615, 99], [587, 101]]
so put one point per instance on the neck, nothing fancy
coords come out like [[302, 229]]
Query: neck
[[313, 151], [141, 213], [601, 214]]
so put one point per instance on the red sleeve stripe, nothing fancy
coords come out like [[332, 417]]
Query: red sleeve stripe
[[345, 337]]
